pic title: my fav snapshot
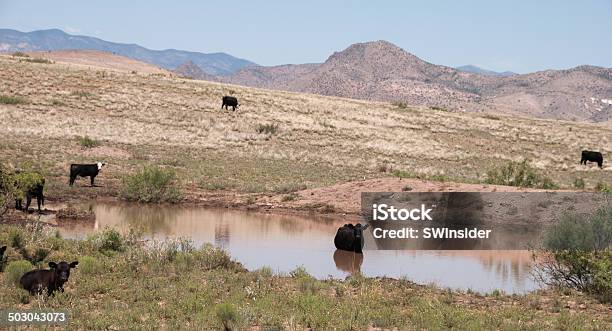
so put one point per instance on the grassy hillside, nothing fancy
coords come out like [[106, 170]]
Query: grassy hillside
[[277, 141]]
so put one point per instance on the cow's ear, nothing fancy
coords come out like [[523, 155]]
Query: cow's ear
[[52, 265], [74, 264]]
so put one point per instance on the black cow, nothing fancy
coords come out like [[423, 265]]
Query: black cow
[[32, 192], [592, 157], [350, 237], [2, 250], [85, 170], [36, 281], [231, 102]]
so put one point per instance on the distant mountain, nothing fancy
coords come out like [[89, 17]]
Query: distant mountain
[[191, 70], [384, 72], [477, 70], [54, 39]]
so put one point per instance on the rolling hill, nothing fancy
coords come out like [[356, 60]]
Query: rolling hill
[[54, 39], [381, 71]]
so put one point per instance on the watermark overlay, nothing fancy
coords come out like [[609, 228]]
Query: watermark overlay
[[467, 220], [33, 317]]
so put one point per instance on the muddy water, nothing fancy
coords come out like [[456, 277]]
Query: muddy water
[[286, 242]]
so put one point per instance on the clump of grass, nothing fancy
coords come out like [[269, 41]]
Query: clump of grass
[[603, 187], [290, 197], [12, 100], [290, 188], [227, 314], [89, 265], [439, 108], [58, 103], [579, 183], [108, 241], [491, 117], [400, 104], [16, 269], [152, 184], [520, 174], [407, 188], [87, 142], [267, 129], [403, 174], [81, 94], [439, 178]]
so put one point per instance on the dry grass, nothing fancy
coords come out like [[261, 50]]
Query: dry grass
[[158, 119]]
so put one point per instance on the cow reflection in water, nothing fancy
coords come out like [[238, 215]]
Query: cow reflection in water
[[348, 261]]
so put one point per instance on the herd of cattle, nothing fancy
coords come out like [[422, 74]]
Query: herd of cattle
[[348, 237]]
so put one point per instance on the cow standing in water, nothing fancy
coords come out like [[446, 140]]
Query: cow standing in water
[[592, 157], [229, 102], [350, 238], [85, 170]]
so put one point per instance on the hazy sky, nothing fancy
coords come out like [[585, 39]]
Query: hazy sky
[[521, 36]]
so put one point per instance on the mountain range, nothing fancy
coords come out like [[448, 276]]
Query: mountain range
[[54, 39], [379, 71]]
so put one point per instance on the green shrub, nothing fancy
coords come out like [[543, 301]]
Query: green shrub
[[290, 197], [89, 265], [403, 174], [16, 269], [290, 188], [12, 100], [578, 254], [27, 180], [87, 142], [579, 183], [227, 315], [603, 187], [520, 174], [37, 60], [108, 240], [267, 129], [151, 185]]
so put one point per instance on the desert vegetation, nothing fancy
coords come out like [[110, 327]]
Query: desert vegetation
[[124, 282]]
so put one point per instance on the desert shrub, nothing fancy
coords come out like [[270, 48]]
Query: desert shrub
[[579, 183], [16, 269], [520, 174], [400, 104], [290, 197], [578, 254], [603, 187], [403, 174], [27, 180], [12, 100], [108, 240], [406, 188], [267, 129], [37, 60], [227, 314], [20, 54], [6, 189], [290, 188], [87, 142], [151, 185], [89, 265]]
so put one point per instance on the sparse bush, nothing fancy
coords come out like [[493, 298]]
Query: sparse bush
[[603, 187], [290, 197], [57, 103], [491, 117], [151, 185], [267, 129], [20, 54], [520, 174], [400, 104], [7, 188], [87, 142], [27, 180], [406, 188], [16, 269], [577, 254], [403, 174], [227, 315], [109, 240], [579, 183], [89, 265], [439, 108], [81, 94], [290, 188], [37, 60], [12, 100]]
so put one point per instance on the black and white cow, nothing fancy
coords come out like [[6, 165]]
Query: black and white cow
[[36, 281], [229, 102], [592, 157], [85, 170]]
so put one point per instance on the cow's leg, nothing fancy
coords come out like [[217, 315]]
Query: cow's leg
[[38, 201], [18, 204], [72, 179], [92, 180], [28, 202]]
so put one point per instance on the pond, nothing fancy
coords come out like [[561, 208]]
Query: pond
[[284, 243]]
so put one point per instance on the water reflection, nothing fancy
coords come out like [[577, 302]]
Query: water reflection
[[287, 242]]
